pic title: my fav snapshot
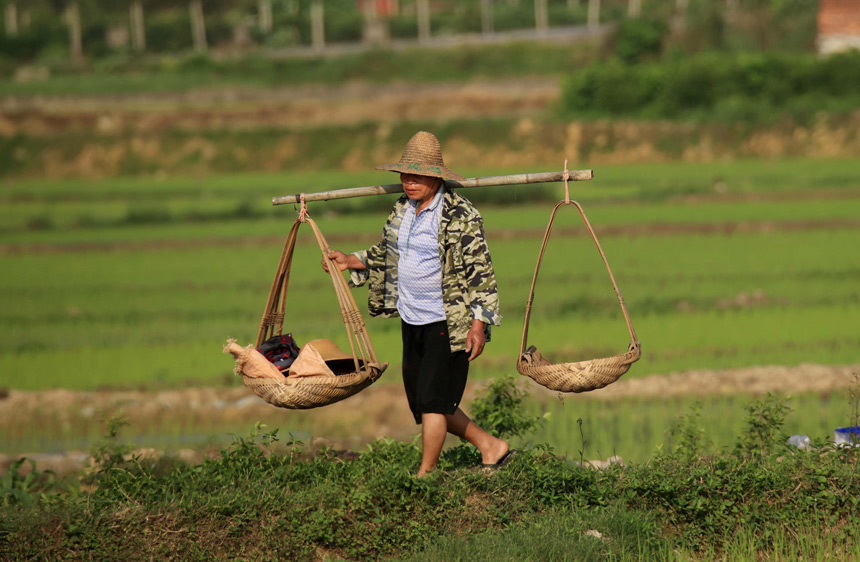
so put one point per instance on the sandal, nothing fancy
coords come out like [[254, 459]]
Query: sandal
[[503, 462]]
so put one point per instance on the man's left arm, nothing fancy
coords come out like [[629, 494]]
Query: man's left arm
[[480, 276]]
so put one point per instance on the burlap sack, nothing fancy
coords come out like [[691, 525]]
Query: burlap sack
[[309, 363], [252, 363]]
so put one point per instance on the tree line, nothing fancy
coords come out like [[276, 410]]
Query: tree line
[[79, 29]]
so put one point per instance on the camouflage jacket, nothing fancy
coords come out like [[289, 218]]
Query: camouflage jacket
[[468, 281]]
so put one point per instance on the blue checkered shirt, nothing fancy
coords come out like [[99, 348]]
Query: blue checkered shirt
[[419, 269]]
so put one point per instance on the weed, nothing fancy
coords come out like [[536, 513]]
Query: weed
[[28, 488], [765, 418], [18, 489], [854, 401], [4, 537], [500, 411], [688, 433], [109, 452], [582, 442]]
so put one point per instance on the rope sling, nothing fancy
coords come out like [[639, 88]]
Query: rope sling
[[345, 378], [580, 376]]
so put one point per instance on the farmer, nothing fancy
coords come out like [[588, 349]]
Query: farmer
[[432, 268]]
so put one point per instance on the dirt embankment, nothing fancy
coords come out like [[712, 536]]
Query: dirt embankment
[[383, 403], [269, 130], [243, 109]]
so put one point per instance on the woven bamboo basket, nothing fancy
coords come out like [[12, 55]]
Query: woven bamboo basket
[[311, 392], [579, 376], [349, 377]]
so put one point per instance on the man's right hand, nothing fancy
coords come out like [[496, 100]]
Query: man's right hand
[[343, 261]]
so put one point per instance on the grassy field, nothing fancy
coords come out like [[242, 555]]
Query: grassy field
[[137, 283]]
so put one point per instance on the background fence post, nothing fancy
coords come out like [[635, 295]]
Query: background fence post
[[73, 19], [634, 8], [541, 17], [198, 25], [593, 13], [317, 25], [138, 31], [10, 17], [422, 8], [487, 17], [264, 16]]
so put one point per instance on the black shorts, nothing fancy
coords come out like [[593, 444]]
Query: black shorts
[[433, 376]]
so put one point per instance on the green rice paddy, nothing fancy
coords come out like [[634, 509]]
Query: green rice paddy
[[129, 283]]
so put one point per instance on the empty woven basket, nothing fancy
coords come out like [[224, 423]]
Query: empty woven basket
[[579, 376]]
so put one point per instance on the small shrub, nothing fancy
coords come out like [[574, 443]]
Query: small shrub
[[689, 435], [500, 411], [765, 418], [109, 452]]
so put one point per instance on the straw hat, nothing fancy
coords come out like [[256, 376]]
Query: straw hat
[[329, 350], [422, 157]]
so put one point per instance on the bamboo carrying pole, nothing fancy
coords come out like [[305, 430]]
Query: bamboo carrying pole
[[489, 181]]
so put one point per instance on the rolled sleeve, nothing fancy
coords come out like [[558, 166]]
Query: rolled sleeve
[[485, 315], [358, 277]]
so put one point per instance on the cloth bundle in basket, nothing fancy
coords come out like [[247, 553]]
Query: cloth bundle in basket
[[280, 350]]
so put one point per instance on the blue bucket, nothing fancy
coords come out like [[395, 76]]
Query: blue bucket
[[847, 435]]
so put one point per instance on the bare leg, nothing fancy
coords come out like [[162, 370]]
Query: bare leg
[[435, 427], [433, 430], [492, 448]]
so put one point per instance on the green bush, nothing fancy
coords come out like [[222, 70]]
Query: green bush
[[343, 22], [168, 32], [639, 39], [740, 86], [695, 83], [403, 27], [22, 47], [611, 88]]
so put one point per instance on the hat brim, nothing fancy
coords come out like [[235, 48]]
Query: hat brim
[[422, 170], [329, 350]]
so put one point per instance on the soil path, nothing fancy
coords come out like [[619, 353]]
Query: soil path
[[385, 397]]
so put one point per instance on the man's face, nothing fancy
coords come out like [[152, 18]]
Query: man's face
[[420, 188]]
